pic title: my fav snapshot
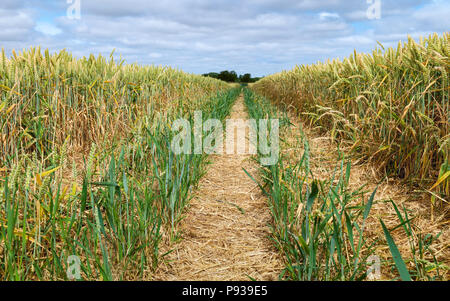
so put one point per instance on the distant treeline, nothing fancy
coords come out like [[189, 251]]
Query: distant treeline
[[232, 77]]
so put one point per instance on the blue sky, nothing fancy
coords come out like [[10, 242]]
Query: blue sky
[[257, 36]]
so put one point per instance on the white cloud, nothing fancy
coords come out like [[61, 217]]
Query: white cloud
[[257, 36], [154, 55], [47, 28], [15, 25], [327, 16]]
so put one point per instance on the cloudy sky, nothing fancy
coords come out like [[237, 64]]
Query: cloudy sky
[[257, 36]]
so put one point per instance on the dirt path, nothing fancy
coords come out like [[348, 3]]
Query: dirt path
[[225, 230]]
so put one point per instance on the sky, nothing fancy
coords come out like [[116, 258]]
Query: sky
[[260, 37]]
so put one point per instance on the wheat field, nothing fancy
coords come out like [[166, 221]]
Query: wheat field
[[88, 174], [391, 106]]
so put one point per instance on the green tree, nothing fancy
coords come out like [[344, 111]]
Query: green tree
[[246, 78]]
